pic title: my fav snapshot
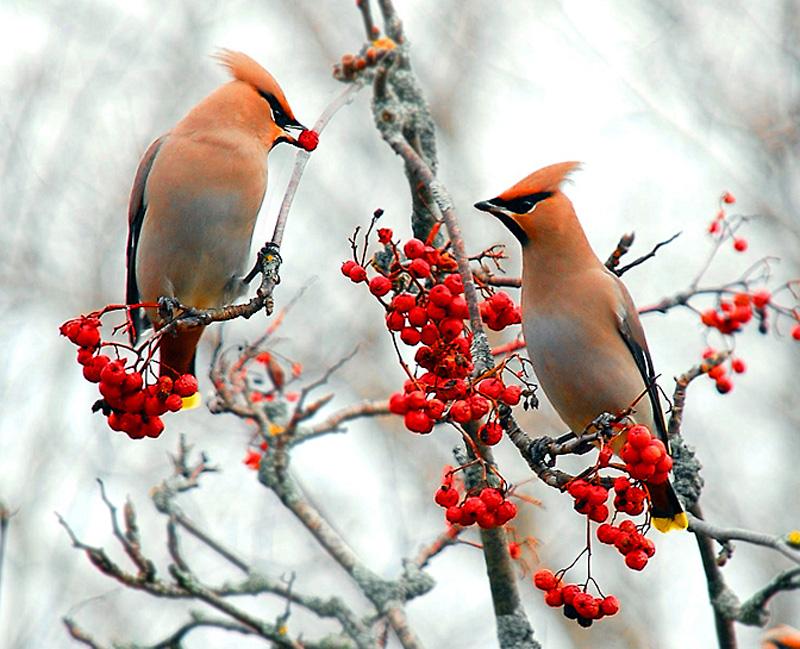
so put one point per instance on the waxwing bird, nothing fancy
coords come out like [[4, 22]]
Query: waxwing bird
[[581, 327], [195, 200]]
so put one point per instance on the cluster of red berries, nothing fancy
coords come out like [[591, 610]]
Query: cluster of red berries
[[490, 508], [628, 498], [428, 308], [719, 373], [645, 456], [732, 314], [590, 499], [719, 226], [577, 604], [499, 311], [632, 544], [131, 406]]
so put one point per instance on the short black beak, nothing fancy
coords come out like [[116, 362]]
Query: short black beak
[[488, 206]]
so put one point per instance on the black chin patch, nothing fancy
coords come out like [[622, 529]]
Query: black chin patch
[[513, 226]]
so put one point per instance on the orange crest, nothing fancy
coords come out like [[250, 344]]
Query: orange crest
[[546, 179]]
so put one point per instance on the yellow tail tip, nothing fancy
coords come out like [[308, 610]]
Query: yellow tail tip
[[677, 522], [190, 403]]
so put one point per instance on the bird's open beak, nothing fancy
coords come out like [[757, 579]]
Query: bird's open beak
[[294, 126]]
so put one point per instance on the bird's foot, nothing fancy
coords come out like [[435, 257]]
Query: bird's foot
[[602, 424], [267, 263], [167, 307]]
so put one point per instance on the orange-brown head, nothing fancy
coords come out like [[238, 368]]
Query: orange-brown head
[[536, 204], [253, 102]]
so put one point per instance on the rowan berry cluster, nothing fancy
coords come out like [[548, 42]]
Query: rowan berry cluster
[[721, 227], [130, 404], [629, 541], [645, 456], [427, 308], [731, 315], [488, 508], [577, 604], [719, 373]]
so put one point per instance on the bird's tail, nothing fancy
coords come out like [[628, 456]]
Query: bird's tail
[[178, 354], [666, 509]]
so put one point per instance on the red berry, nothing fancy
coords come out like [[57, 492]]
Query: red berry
[[440, 295], [418, 422], [416, 400], [419, 268], [414, 248], [598, 513], [586, 606], [91, 372], [458, 308], [727, 197], [403, 302], [607, 533], [454, 283], [738, 365], [308, 140], [429, 334], [133, 382], [417, 316], [652, 454], [609, 605], [796, 332], [604, 457], [357, 274], [554, 597], [450, 329], [639, 437], [491, 388], [134, 402], [474, 505], [385, 235], [505, 512], [460, 412], [621, 484], [380, 285], [113, 373], [88, 336], [714, 227], [710, 317], [434, 409], [578, 489], [185, 385], [761, 298], [724, 385], [173, 403], [397, 404], [478, 406], [569, 592], [740, 244], [597, 494], [629, 454], [446, 496], [395, 321], [636, 560], [347, 266], [511, 395], [410, 336], [492, 497], [453, 515], [486, 520], [544, 580], [85, 356], [664, 465], [490, 433]]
